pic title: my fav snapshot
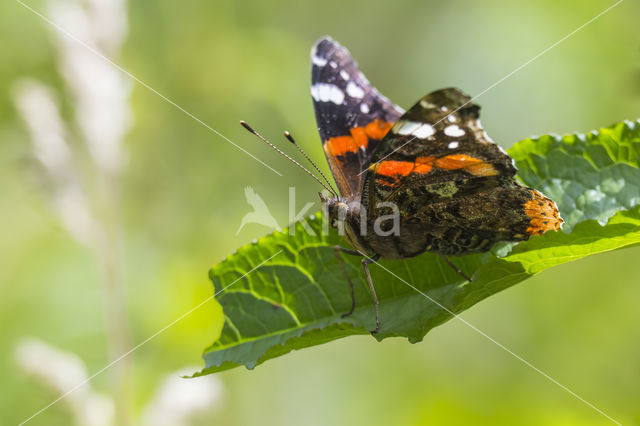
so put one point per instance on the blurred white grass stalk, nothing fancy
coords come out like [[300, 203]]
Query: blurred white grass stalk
[[100, 95], [100, 91], [38, 107], [179, 400], [176, 402], [62, 371]]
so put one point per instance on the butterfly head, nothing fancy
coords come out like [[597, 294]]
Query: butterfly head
[[337, 208]]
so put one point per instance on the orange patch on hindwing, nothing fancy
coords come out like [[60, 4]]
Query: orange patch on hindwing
[[543, 213]]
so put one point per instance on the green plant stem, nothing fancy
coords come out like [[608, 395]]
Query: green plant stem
[[115, 301]]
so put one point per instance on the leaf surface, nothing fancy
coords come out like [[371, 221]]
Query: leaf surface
[[296, 299]]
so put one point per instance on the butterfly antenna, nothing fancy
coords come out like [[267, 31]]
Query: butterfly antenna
[[304, 154], [263, 139]]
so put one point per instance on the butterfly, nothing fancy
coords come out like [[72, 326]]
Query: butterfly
[[428, 179]]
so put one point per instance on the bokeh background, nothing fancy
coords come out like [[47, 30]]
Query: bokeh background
[[183, 198]]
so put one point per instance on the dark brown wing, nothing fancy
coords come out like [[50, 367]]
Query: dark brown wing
[[443, 132], [454, 187], [352, 116]]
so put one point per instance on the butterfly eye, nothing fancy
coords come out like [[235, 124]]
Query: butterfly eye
[[343, 210]]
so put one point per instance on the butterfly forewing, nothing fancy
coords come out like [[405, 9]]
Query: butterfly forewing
[[453, 186], [441, 124], [352, 116]]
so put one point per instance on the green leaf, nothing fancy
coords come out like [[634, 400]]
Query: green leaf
[[296, 298]]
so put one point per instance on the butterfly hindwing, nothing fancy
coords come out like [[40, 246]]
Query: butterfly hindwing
[[352, 116]]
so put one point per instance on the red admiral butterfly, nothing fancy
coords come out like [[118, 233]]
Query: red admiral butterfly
[[428, 179]]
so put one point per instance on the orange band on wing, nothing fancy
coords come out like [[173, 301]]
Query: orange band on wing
[[393, 168], [377, 129], [359, 138], [543, 213], [456, 161], [423, 165], [481, 169], [475, 166], [340, 145]]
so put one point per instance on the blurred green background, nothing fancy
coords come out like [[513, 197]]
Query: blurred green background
[[183, 192]]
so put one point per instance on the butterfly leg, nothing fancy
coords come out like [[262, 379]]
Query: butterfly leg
[[365, 265], [336, 251], [454, 267]]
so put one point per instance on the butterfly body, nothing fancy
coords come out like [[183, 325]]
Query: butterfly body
[[428, 179]]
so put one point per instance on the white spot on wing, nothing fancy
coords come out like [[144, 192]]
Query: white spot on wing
[[443, 108], [454, 131], [364, 108], [453, 145], [344, 75], [424, 131], [322, 92], [333, 65], [354, 90], [426, 105], [316, 60], [408, 127], [451, 118]]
